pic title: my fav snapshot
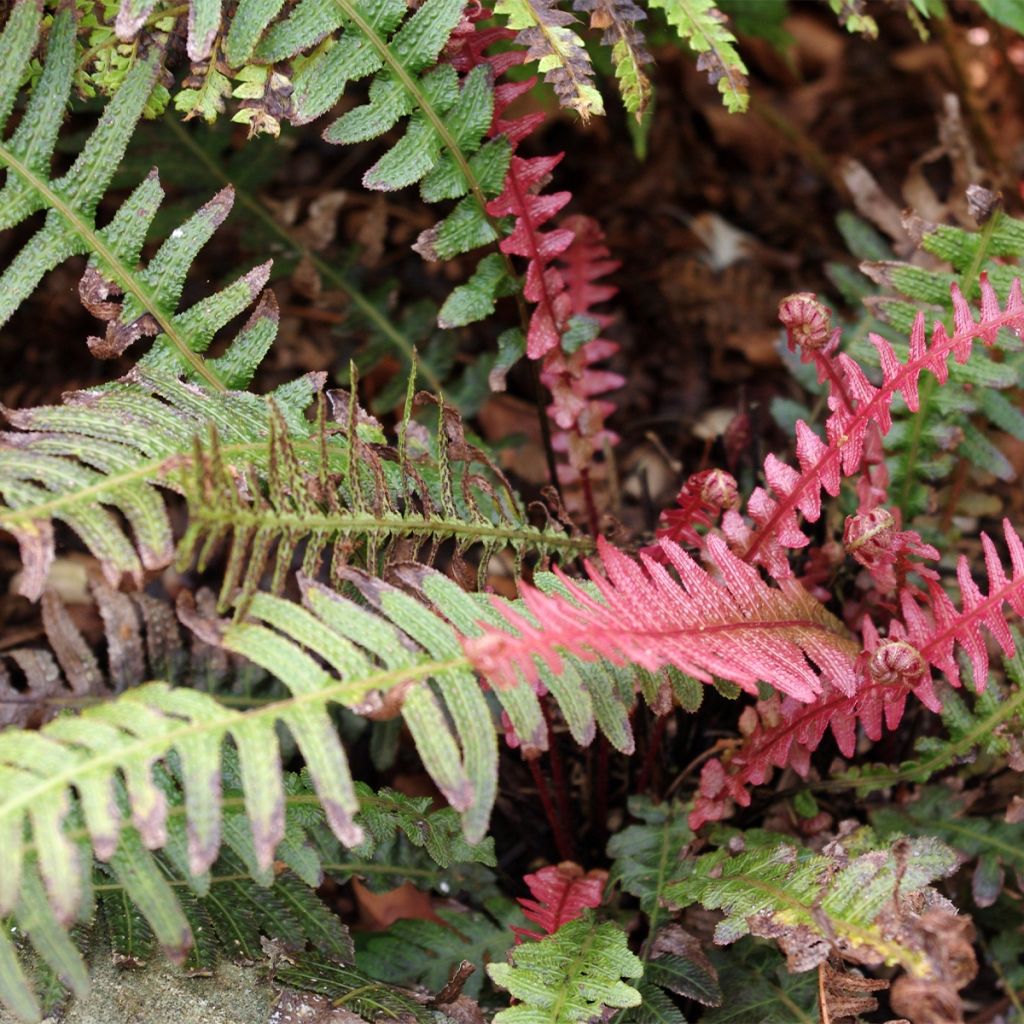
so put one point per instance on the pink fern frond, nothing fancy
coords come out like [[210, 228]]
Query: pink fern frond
[[937, 629], [784, 734], [572, 377], [544, 285], [787, 732], [859, 410], [561, 892], [732, 625]]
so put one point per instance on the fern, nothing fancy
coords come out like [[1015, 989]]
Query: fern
[[145, 899], [852, 424], [427, 952], [647, 856], [354, 488], [142, 640], [853, 899], [568, 976], [704, 28], [761, 988], [619, 20], [957, 418], [144, 725], [70, 226], [997, 845], [111, 449], [737, 627], [559, 893], [544, 30], [350, 988]]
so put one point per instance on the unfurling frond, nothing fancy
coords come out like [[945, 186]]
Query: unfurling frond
[[736, 627], [856, 898], [568, 977]]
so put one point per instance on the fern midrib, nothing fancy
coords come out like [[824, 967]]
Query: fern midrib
[[324, 269], [659, 887], [298, 524], [578, 963], [152, 748], [157, 471], [124, 276]]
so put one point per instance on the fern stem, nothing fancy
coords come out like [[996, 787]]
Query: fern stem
[[564, 847], [124, 276], [324, 269], [298, 524], [558, 779]]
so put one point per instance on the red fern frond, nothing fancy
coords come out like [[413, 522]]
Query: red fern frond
[[786, 732], [544, 285], [936, 631], [735, 626], [571, 377], [860, 409], [561, 892]]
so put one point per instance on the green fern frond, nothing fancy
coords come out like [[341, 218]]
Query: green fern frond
[[146, 900], [59, 795], [71, 202], [356, 490], [646, 857], [704, 28], [851, 899], [941, 813], [545, 30], [111, 449], [568, 977], [352, 989], [761, 988], [426, 952]]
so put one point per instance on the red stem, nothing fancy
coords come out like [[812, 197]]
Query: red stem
[[600, 802], [588, 498], [651, 755], [554, 822], [558, 781]]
